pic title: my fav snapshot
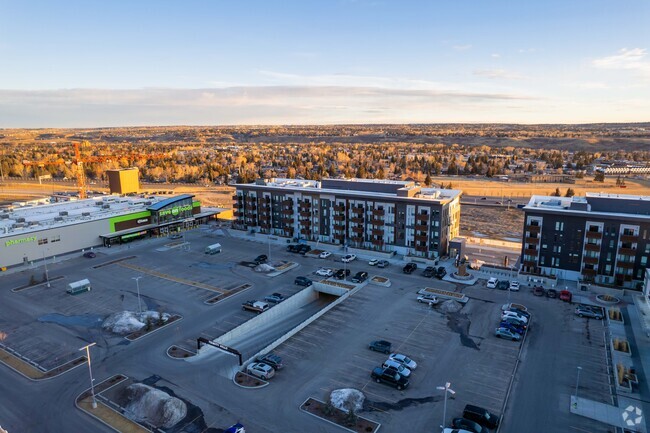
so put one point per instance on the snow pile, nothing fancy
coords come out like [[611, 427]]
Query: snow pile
[[154, 406], [450, 306], [264, 268], [347, 398], [126, 322]]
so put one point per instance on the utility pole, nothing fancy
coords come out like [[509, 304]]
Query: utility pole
[[92, 381]]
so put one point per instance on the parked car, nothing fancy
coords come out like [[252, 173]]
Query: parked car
[[271, 359], [515, 321], [524, 313], [380, 346], [383, 264], [261, 370], [255, 306], [551, 293], [176, 236], [302, 281], [90, 255], [373, 262], [492, 283], [520, 307], [341, 273], [428, 299], [236, 428], [325, 272], [566, 296], [503, 285], [389, 377], [275, 298], [409, 268], [293, 248], [404, 360], [481, 416], [441, 272], [514, 286], [468, 425], [507, 333], [399, 368], [360, 277], [538, 291], [589, 312], [262, 258], [517, 329], [324, 254], [515, 314], [348, 258], [429, 272], [303, 249]]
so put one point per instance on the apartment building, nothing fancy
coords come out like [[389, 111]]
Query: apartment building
[[599, 238], [380, 215]]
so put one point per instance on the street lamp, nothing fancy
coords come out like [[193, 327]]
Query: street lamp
[[446, 389], [578, 382], [137, 285], [92, 385]]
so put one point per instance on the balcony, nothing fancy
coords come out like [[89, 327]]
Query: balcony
[[532, 263], [287, 202], [237, 214], [592, 247], [288, 231], [339, 237], [625, 265], [627, 251], [357, 229], [589, 272], [266, 226], [422, 218], [531, 252], [623, 277], [356, 238], [287, 221], [594, 235], [378, 212], [379, 242], [376, 232], [529, 240], [420, 238], [421, 248], [305, 214], [356, 220], [590, 260], [339, 208], [629, 238], [421, 227], [287, 211], [377, 222], [305, 231], [339, 217], [357, 210], [533, 229]]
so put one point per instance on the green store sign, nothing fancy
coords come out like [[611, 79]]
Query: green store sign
[[175, 210], [20, 241]]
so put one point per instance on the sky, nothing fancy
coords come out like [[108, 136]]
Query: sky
[[215, 62]]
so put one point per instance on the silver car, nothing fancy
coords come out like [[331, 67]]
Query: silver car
[[399, 368], [585, 311], [261, 370]]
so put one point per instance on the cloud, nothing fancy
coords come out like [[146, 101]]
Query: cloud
[[495, 74], [626, 59], [526, 50], [495, 55], [462, 47]]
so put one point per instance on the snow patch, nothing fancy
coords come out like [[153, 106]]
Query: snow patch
[[154, 406], [127, 322], [450, 306], [264, 267], [347, 398]]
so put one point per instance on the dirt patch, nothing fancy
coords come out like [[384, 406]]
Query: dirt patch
[[491, 222], [459, 323], [337, 416], [401, 404], [247, 381]]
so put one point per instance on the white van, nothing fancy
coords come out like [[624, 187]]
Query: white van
[[213, 249], [492, 283]]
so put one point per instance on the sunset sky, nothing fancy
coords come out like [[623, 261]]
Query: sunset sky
[[120, 63]]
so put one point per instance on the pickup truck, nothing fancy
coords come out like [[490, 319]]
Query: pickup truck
[[390, 377], [255, 306]]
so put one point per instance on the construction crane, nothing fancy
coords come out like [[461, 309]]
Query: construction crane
[[80, 160]]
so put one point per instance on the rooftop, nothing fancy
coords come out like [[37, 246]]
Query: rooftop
[[621, 205]]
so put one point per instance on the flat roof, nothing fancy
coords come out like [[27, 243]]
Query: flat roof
[[581, 206], [166, 202]]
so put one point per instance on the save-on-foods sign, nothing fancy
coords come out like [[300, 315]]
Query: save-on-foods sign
[[175, 210], [20, 241]]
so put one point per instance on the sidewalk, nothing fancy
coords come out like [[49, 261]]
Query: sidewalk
[[629, 415]]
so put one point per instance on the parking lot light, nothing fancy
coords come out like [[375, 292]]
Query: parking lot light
[[578, 382], [92, 385], [137, 286], [450, 391]]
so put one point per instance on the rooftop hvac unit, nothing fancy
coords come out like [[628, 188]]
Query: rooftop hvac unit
[[63, 213], [58, 218], [147, 203], [18, 225], [85, 213], [106, 206], [20, 220], [4, 216], [33, 223]]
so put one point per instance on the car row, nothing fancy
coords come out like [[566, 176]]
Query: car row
[[495, 283], [265, 366], [396, 370], [432, 271], [299, 248], [379, 263], [514, 322]]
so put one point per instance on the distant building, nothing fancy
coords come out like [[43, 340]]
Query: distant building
[[600, 238], [123, 181], [380, 215]]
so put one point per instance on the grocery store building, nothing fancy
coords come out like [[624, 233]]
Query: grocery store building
[[31, 233]]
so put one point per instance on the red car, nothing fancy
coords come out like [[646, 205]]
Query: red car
[[565, 296]]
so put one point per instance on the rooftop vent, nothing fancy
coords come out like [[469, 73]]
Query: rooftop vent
[[85, 213], [20, 220], [58, 218], [18, 225], [106, 206], [33, 223], [4, 216], [63, 213]]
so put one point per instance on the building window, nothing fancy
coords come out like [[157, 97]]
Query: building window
[[42, 241], [55, 238], [559, 225], [644, 260]]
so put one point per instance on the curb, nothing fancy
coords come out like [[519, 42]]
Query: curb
[[265, 384], [333, 423], [45, 378], [155, 330]]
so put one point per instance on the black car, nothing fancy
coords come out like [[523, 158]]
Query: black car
[[390, 377], [409, 268], [271, 359], [441, 272], [382, 346], [503, 285], [293, 248], [303, 249], [360, 277], [90, 255], [429, 272], [261, 259], [341, 273], [551, 293], [481, 416], [469, 425], [302, 281]]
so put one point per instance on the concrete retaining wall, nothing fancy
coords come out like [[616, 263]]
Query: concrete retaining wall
[[493, 243], [270, 317]]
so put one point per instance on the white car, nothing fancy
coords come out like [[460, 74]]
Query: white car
[[373, 262], [399, 368], [514, 286], [261, 370], [324, 254], [520, 317], [348, 258], [428, 299], [325, 272], [492, 283], [404, 360]]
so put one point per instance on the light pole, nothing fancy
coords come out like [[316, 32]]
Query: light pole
[[578, 382], [446, 389], [137, 285], [90, 370], [47, 275]]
